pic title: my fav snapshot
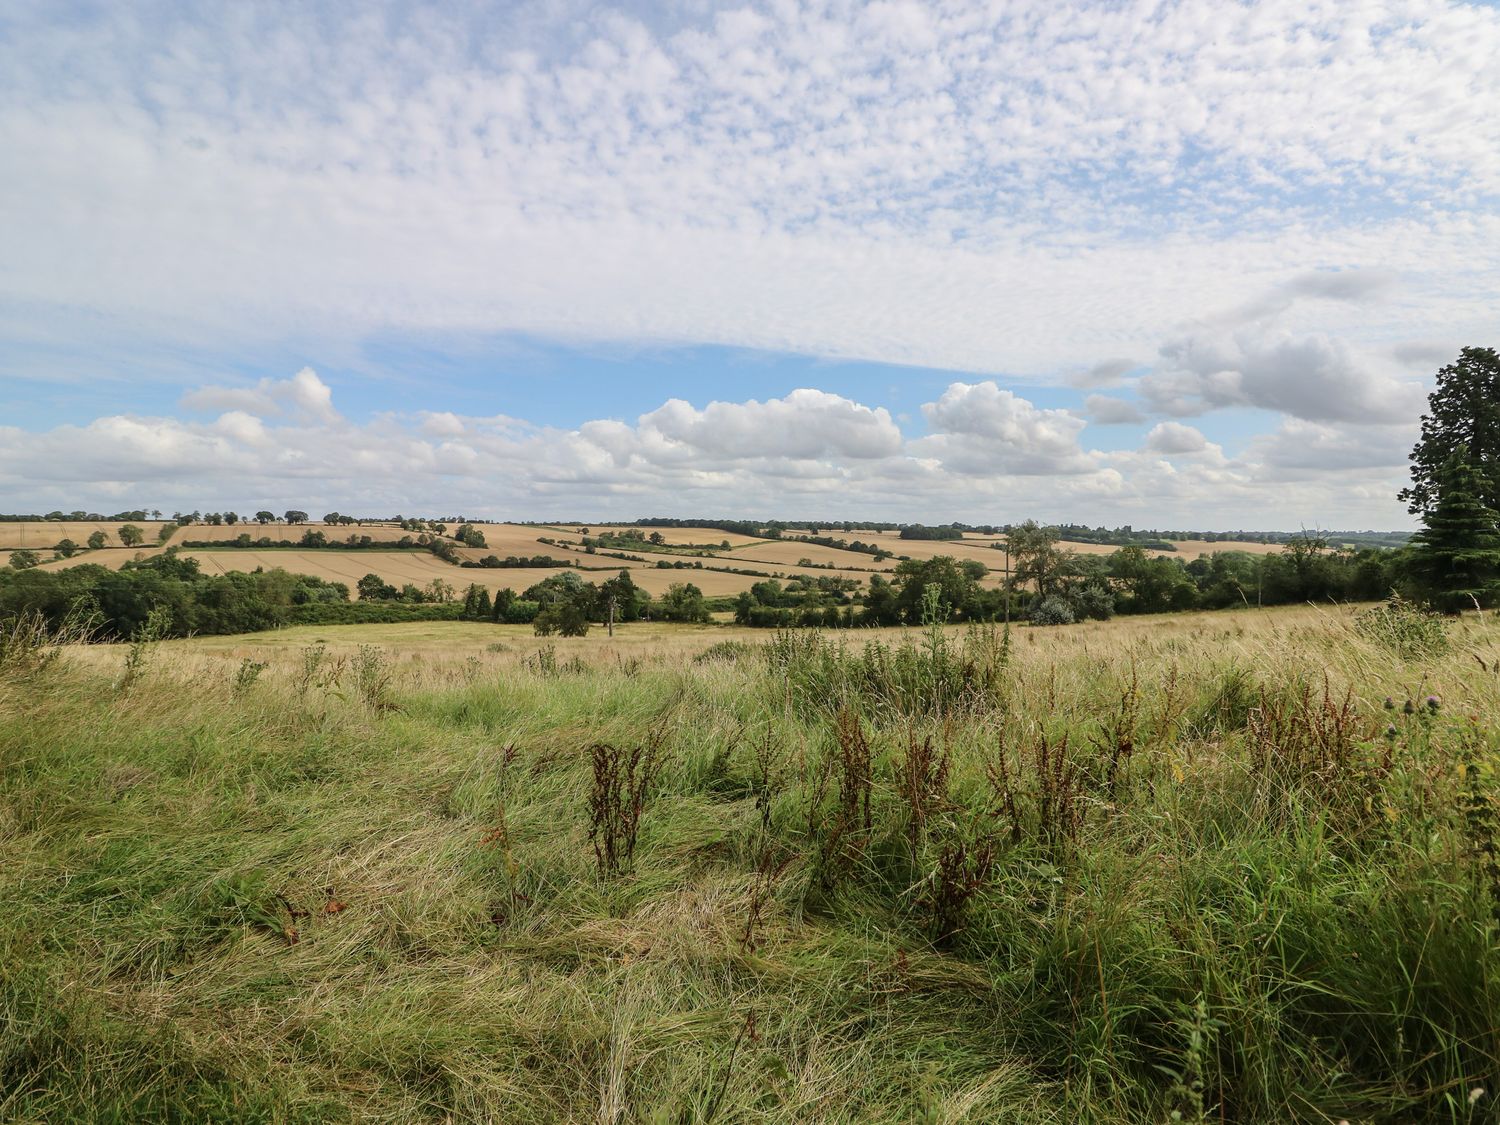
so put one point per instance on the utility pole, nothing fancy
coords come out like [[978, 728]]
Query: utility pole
[[1007, 585], [611, 615]]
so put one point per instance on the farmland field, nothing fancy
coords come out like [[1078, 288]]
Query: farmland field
[[371, 873], [276, 532], [43, 535]]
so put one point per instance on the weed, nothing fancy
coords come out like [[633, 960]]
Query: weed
[[1481, 823], [245, 676], [1190, 1079], [372, 678], [315, 669], [843, 833], [622, 782], [1039, 794], [1306, 746], [922, 784], [143, 642], [966, 864]]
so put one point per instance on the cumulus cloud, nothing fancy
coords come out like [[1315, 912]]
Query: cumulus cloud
[[987, 455], [1174, 437], [1299, 448], [806, 423], [1315, 378], [978, 428], [304, 393], [1105, 410]]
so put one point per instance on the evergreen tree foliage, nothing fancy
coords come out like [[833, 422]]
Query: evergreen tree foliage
[[1457, 557], [1464, 410]]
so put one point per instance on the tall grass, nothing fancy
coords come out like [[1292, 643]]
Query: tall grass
[[1103, 875]]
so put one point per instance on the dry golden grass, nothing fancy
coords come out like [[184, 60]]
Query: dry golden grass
[[1253, 636]]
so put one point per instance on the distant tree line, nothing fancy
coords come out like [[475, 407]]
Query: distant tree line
[[119, 601]]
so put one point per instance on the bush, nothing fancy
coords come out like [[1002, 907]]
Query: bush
[[1095, 602], [1052, 611]]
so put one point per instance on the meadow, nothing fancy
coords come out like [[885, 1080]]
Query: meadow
[[1182, 868]]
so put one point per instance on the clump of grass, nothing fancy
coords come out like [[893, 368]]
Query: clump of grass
[[28, 645], [1403, 629], [725, 652]]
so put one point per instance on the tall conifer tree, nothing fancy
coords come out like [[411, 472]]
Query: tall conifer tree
[[1457, 557]]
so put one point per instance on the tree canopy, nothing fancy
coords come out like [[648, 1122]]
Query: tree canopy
[[1464, 411]]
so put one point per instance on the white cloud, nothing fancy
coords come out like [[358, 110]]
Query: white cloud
[[1174, 437], [303, 393], [1311, 377], [1104, 410], [806, 423], [979, 429], [988, 455], [931, 184], [1106, 373]]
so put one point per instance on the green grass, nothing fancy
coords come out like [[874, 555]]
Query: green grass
[[375, 897]]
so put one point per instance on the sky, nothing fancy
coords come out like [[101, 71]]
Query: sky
[[1183, 265]]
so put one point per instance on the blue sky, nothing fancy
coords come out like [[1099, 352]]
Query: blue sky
[[1174, 264]]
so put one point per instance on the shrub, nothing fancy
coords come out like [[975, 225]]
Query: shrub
[[1095, 602], [1052, 611]]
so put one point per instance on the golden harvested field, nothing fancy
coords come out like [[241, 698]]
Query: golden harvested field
[[674, 536], [45, 534], [420, 568], [112, 557], [787, 552], [396, 567], [504, 539], [981, 550], [277, 532]]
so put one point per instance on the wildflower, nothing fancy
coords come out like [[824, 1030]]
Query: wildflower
[[1409, 709], [1433, 703], [1390, 732], [1390, 704]]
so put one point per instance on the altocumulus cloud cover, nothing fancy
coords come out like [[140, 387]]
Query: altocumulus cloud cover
[[1167, 263]]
